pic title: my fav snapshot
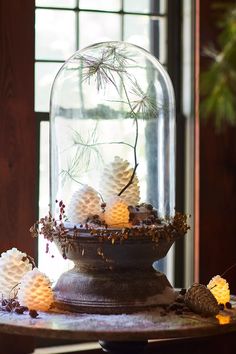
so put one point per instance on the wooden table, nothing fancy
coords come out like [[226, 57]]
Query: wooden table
[[113, 330]]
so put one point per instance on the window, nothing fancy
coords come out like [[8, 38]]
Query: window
[[62, 27]]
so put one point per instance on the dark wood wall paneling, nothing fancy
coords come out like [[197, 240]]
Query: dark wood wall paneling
[[17, 139], [217, 181], [17, 125]]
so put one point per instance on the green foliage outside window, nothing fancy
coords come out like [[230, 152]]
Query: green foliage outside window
[[218, 83]]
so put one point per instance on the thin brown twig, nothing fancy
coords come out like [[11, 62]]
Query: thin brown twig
[[228, 269]]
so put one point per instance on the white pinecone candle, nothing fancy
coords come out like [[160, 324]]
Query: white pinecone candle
[[35, 291], [13, 265], [220, 289], [115, 177], [84, 203], [116, 212]]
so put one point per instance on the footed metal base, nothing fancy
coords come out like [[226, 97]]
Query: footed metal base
[[112, 292]]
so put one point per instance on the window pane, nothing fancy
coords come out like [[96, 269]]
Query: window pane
[[145, 6], [136, 30], [163, 40], [52, 262], [142, 6], [163, 6], [102, 27], [55, 37], [56, 3], [44, 76], [44, 169], [111, 5]]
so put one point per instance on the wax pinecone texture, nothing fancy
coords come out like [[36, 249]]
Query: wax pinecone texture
[[200, 300], [13, 265], [35, 291], [115, 177], [84, 203], [116, 212], [220, 289]]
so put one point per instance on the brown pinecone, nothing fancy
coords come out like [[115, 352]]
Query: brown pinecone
[[200, 300]]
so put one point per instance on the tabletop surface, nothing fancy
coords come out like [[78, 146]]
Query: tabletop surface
[[143, 325]]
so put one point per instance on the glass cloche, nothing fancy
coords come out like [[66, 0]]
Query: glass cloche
[[112, 119], [113, 176]]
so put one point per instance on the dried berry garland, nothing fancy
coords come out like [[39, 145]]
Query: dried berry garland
[[12, 305], [50, 228], [151, 227]]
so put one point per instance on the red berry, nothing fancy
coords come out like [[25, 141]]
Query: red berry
[[228, 305], [33, 313]]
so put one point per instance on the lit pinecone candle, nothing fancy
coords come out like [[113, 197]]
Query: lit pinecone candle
[[220, 289], [84, 203], [35, 291], [115, 177], [116, 213], [13, 265]]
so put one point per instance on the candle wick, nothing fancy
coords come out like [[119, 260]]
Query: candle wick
[[213, 286]]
